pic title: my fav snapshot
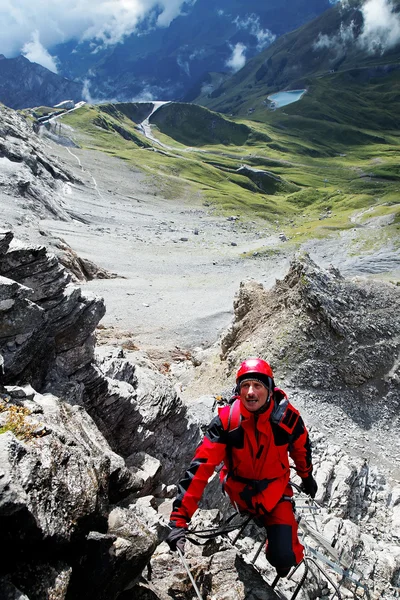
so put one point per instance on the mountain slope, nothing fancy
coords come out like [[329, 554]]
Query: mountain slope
[[24, 84], [347, 82], [313, 182], [166, 63]]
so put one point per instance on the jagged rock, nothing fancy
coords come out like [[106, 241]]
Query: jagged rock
[[19, 317], [308, 322], [146, 467], [56, 462], [81, 268], [28, 174], [48, 322], [115, 560], [72, 459], [36, 269], [146, 415], [115, 365]]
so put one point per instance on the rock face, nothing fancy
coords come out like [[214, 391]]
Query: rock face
[[67, 500], [320, 331], [58, 478], [25, 84], [42, 311], [28, 175]]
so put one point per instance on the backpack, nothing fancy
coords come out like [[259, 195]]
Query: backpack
[[284, 415]]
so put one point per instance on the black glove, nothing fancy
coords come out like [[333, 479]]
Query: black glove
[[309, 486], [177, 538]]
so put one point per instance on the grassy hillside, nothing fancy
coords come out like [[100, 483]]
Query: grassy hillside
[[347, 83], [305, 177], [196, 126], [105, 126]]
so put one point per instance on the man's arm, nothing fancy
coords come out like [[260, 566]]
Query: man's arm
[[208, 455], [300, 451]]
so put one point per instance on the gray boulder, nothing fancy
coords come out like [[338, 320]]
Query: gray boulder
[[47, 322], [58, 477]]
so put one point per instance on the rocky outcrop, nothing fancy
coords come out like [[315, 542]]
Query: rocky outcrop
[[67, 500], [142, 411], [58, 479], [81, 268], [24, 84], [47, 318], [339, 337], [28, 175]]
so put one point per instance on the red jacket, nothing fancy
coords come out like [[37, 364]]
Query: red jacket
[[255, 453]]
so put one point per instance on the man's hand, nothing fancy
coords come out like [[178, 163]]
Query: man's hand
[[177, 538], [309, 486]]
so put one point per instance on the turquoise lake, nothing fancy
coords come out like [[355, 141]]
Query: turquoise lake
[[283, 98]]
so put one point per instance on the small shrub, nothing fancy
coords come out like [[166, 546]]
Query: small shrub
[[16, 421]]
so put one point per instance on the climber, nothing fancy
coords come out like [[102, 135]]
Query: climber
[[253, 437]]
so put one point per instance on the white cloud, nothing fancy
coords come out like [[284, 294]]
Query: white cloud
[[86, 95], [107, 21], [198, 53], [339, 41], [238, 57], [251, 23], [35, 52], [184, 65], [381, 29]]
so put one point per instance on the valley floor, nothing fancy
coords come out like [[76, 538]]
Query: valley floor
[[178, 263]]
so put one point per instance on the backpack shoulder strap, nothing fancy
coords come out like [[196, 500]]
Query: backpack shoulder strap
[[284, 414], [230, 416]]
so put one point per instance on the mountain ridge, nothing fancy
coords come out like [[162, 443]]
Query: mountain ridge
[[165, 63], [24, 84]]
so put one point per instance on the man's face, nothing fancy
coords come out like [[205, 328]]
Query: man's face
[[253, 394]]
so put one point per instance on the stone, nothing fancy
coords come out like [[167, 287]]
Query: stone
[[5, 239]]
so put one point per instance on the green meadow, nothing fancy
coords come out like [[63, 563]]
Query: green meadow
[[315, 175]]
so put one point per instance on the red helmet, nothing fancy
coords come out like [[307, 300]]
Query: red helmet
[[258, 366]]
